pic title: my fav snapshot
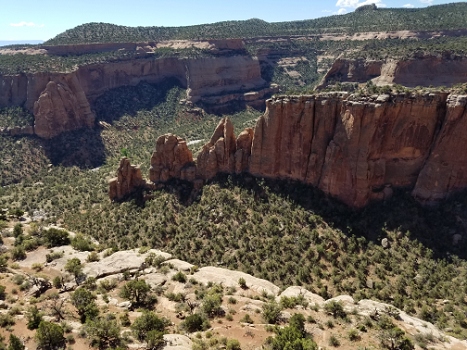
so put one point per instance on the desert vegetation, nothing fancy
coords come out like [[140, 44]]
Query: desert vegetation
[[411, 257], [284, 232], [442, 17]]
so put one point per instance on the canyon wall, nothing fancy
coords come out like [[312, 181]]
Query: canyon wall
[[61, 101], [423, 70], [356, 149]]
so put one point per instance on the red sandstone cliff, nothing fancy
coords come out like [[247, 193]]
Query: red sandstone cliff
[[420, 71], [354, 149], [60, 101]]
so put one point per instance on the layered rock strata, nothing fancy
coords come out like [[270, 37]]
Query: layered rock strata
[[61, 101], [128, 180], [354, 149], [419, 71]]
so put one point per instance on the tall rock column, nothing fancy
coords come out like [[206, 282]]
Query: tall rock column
[[128, 179], [218, 155], [172, 159]]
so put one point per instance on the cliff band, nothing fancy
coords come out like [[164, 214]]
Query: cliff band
[[61, 101], [356, 149]]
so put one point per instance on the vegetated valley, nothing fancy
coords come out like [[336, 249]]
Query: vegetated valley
[[397, 252]]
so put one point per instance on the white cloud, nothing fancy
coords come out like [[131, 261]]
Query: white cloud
[[26, 24], [345, 4], [358, 3], [429, 2], [408, 6]]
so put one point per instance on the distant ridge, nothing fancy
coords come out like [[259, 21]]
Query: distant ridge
[[440, 17], [20, 42]]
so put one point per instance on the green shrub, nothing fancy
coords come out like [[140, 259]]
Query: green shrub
[[353, 335], [333, 341], [246, 319], [82, 243], [18, 253], [92, 257], [34, 317], [53, 256], [336, 309], [242, 283], [179, 277], [56, 237], [195, 323], [15, 343], [6, 320], [271, 312], [233, 344]]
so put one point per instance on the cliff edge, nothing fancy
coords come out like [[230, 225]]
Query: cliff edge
[[356, 149]]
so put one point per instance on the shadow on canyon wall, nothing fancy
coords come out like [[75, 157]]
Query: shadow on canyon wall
[[128, 100]]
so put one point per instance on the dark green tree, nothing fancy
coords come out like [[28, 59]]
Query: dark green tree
[[34, 317], [85, 305], [147, 322], [104, 333], [54, 237], [49, 336], [15, 343], [137, 291], [74, 267]]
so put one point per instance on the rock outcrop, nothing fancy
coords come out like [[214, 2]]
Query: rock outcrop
[[61, 107], [128, 180], [356, 149], [224, 153], [172, 159], [218, 155], [418, 71]]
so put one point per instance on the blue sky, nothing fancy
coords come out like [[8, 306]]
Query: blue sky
[[42, 20]]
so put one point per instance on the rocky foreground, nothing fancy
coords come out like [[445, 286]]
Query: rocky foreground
[[243, 295]]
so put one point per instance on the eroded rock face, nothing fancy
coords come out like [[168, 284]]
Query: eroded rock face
[[352, 149], [218, 155], [356, 149], [128, 180], [172, 159], [61, 107], [420, 71], [61, 101], [445, 170]]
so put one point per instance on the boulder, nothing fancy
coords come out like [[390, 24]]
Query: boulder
[[118, 262], [177, 342], [229, 278]]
